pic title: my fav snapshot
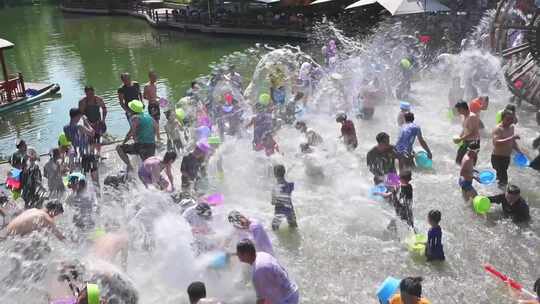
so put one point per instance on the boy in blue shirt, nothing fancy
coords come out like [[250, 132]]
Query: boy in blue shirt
[[434, 247], [281, 199]]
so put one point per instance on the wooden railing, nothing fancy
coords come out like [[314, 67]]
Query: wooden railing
[[12, 89]]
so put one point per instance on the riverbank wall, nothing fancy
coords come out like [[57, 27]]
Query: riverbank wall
[[164, 18]]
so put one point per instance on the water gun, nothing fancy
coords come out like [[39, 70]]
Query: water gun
[[515, 285]]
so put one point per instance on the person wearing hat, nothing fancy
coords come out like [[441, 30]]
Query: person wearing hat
[[250, 229], [19, 159], [36, 220], [404, 108], [513, 205], [468, 173], [144, 130], [80, 137], [130, 90], [504, 143], [410, 292]]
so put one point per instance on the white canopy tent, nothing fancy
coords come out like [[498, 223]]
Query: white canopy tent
[[403, 7]]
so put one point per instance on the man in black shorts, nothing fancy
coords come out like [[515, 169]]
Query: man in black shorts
[[130, 90]]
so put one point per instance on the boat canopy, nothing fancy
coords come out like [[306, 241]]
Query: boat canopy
[[4, 44]]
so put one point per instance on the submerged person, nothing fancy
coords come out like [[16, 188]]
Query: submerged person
[[150, 171], [381, 158], [33, 192], [348, 131], [37, 220], [410, 292], [270, 280], [150, 94], [129, 91], [52, 171], [82, 201], [404, 146], [281, 199], [513, 205], [94, 109], [504, 143], [467, 173], [470, 133], [434, 247], [313, 138], [144, 131], [251, 229]]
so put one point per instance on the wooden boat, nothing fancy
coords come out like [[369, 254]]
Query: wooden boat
[[14, 92]]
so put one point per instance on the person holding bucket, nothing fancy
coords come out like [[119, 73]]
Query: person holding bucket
[[404, 146], [471, 130], [381, 158], [467, 173]]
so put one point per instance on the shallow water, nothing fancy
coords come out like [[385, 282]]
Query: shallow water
[[341, 251]]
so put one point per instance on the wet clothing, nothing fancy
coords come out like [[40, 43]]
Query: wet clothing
[[380, 162], [462, 150], [263, 124], [366, 113], [190, 169], [92, 111], [154, 111], [466, 185], [434, 248], [83, 204], [143, 150], [313, 139], [349, 134], [18, 160], [403, 204], [260, 238], [278, 95], [396, 299], [52, 172], [283, 207], [149, 168], [130, 93], [271, 281], [145, 129], [32, 190], [519, 211], [501, 164], [407, 137]]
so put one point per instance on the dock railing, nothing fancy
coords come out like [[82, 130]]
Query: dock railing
[[12, 89]]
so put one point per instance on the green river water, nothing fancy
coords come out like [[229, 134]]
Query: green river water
[[75, 50]]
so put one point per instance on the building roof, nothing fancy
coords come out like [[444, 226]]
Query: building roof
[[4, 44]]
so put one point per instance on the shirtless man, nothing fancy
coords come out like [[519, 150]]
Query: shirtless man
[[467, 172], [504, 142], [35, 220], [110, 245], [90, 106], [150, 94], [471, 130]]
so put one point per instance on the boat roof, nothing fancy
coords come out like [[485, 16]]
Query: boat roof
[[4, 44]]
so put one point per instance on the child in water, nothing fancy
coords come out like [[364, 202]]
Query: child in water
[[268, 144], [281, 199], [410, 291], [403, 201], [434, 248]]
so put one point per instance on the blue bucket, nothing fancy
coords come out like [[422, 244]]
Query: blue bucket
[[220, 260], [387, 289], [373, 191], [486, 177], [423, 161], [521, 160]]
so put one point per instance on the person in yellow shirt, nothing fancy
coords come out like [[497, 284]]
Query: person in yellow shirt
[[410, 292]]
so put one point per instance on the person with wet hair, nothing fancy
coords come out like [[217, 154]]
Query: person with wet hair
[[150, 171], [404, 146], [348, 131], [281, 199], [36, 220], [467, 173], [513, 205], [19, 159], [271, 281], [252, 230], [313, 138], [381, 158], [470, 133], [504, 143], [434, 247], [196, 291], [410, 292], [33, 193]]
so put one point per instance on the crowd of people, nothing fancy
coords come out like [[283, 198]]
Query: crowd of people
[[195, 129]]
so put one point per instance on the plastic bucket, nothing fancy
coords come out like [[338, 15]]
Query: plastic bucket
[[487, 177], [416, 244], [387, 289], [375, 190], [93, 293], [521, 160], [220, 260], [423, 161], [481, 204]]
